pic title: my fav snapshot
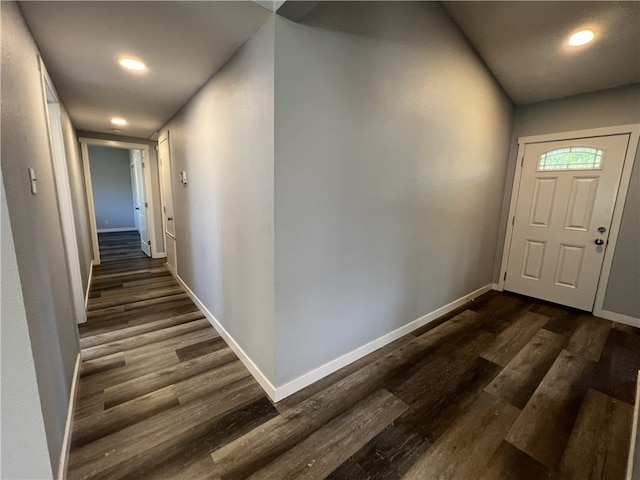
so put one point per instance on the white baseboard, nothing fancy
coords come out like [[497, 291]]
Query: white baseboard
[[618, 317], [633, 462], [314, 375], [123, 229], [278, 393], [66, 441], [159, 255], [264, 382]]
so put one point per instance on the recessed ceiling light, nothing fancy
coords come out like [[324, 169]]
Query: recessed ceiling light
[[118, 121], [132, 64], [581, 38]]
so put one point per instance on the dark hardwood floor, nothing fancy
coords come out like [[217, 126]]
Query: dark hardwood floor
[[119, 245], [503, 388]]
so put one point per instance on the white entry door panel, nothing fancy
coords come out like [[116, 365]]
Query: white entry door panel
[[562, 219]]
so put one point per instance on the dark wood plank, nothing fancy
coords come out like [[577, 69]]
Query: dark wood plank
[[543, 428], [618, 367], [513, 338], [562, 321], [117, 454], [225, 429], [509, 463], [435, 415], [589, 338], [161, 378], [465, 449], [259, 447], [102, 364], [604, 428], [499, 312], [631, 330], [522, 375], [199, 349], [136, 341], [131, 332], [390, 454], [324, 450]]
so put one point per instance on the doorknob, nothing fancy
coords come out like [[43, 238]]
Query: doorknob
[[599, 241], [169, 219], [137, 208]]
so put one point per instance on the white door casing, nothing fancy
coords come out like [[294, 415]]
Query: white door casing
[[140, 203], [166, 188], [556, 250], [63, 193], [147, 183]]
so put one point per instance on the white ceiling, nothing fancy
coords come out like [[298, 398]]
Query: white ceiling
[[525, 45], [182, 43]]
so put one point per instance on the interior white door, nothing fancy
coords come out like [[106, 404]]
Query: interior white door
[[168, 219], [134, 190], [139, 201], [562, 218]]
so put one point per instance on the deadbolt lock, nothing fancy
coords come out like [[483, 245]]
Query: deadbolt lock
[[602, 229]]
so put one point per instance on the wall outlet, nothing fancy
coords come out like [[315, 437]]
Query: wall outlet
[[106, 222]]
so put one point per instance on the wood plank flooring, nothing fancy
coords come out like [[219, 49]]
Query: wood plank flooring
[[503, 388]]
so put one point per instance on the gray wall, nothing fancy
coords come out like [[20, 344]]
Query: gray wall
[[223, 139], [155, 178], [37, 235], [111, 183], [78, 197], [606, 108], [390, 159], [22, 439]]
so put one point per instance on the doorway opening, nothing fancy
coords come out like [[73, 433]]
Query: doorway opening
[[119, 192]]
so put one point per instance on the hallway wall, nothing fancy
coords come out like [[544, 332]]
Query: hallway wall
[[37, 235], [22, 429], [223, 139], [112, 188], [391, 152]]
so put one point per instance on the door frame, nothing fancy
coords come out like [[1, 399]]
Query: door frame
[[63, 191], [161, 172], [633, 130], [84, 148]]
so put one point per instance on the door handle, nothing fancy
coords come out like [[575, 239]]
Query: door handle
[[137, 208], [169, 219], [599, 241]]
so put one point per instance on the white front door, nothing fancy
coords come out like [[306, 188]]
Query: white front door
[[562, 218], [139, 203]]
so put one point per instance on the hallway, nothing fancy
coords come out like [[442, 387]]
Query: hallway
[[162, 396]]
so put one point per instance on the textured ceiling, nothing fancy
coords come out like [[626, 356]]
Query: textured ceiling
[[183, 43], [525, 45]]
